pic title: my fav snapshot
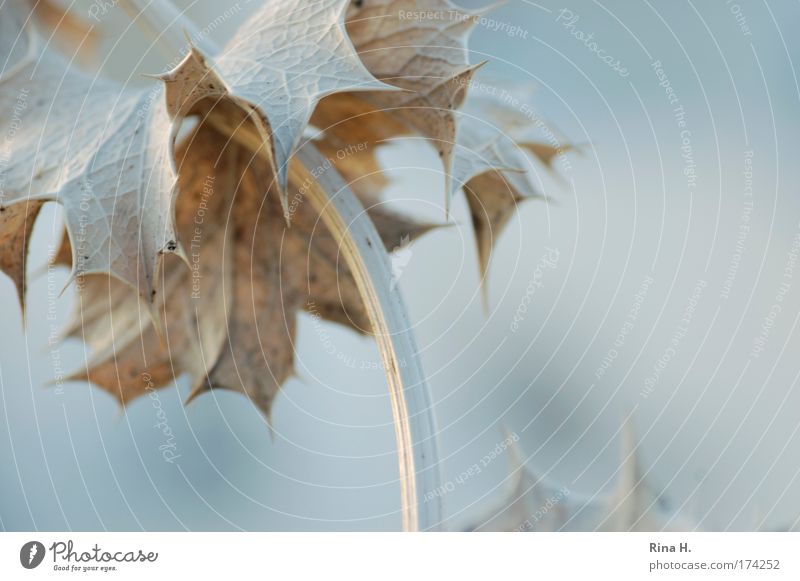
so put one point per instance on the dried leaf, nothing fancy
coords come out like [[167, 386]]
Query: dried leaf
[[495, 128], [125, 232], [331, 286], [308, 44], [491, 169], [111, 165], [535, 505], [107, 163], [634, 505], [492, 201], [16, 224], [510, 111], [229, 321], [544, 152], [532, 505]]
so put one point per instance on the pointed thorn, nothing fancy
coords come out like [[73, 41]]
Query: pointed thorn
[[189, 40], [180, 252], [287, 215], [165, 77], [485, 295], [200, 389], [283, 183], [474, 68], [270, 427], [152, 311], [73, 276], [448, 203], [513, 450]]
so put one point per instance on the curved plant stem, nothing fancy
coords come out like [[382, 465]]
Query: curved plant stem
[[365, 254], [412, 409]]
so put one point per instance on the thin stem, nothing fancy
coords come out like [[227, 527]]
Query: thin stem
[[365, 254], [412, 408]]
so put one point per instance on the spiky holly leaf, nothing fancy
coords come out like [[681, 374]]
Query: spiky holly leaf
[[120, 165], [229, 321], [419, 46], [511, 112], [107, 163], [537, 505], [634, 504], [496, 127], [110, 164], [533, 504], [494, 174], [285, 59]]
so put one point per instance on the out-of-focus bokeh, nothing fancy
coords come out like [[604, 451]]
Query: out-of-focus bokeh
[[671, 298]]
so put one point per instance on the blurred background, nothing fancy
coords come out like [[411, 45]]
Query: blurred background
[[673, 303]]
